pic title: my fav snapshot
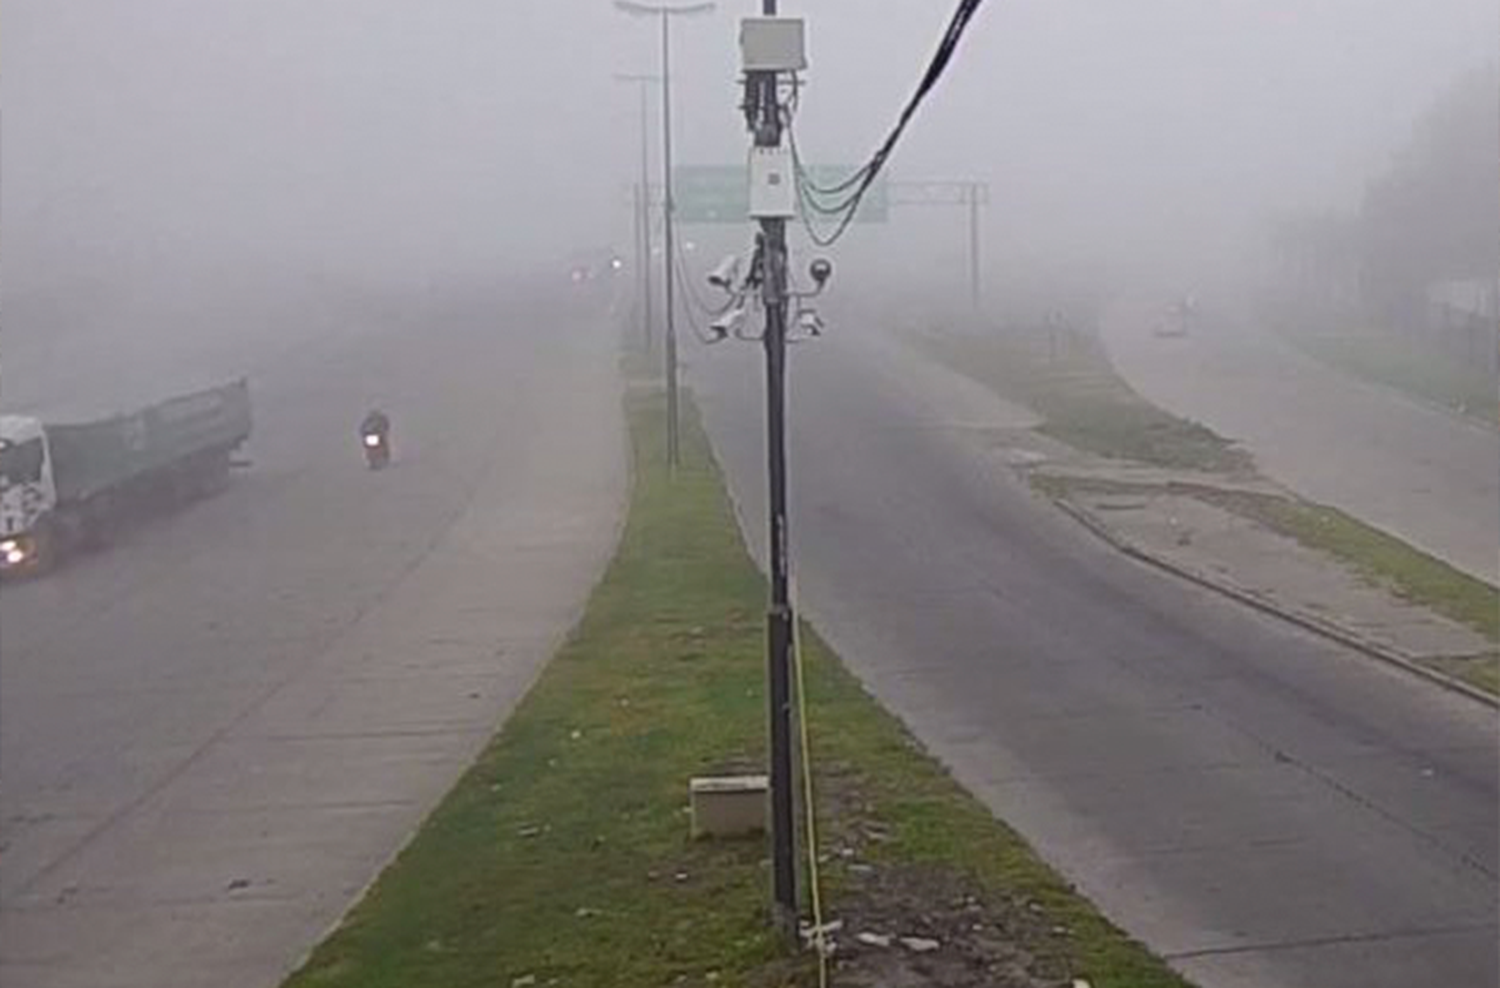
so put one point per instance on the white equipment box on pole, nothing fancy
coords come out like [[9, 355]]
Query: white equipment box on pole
[[772, 44], [773, 184]]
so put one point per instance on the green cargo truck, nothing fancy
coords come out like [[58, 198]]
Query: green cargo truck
[[66, 484]]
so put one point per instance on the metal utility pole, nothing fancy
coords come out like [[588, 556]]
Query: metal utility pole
[[665, 13], [971, 194], [643, 259], [643, 202], [763, 114]]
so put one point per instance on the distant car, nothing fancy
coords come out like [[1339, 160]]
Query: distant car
[[1174, 322]]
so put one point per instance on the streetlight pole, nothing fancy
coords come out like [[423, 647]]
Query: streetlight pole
[[665, 13], [643, 202], [668, 221], [975, 297]]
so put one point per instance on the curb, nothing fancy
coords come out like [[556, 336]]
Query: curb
[[1307, 622]]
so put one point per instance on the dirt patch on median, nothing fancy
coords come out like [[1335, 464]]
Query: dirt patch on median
[[892, 922], [924, 925]]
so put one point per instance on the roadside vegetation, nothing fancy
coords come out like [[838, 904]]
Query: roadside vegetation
[[1387, 561], [1393, 289], [1068, 380], [1467, 387], [1381, 559], [563, 856], [1066, 377]]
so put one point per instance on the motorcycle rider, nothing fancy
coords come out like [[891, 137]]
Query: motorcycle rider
[[378, 425]]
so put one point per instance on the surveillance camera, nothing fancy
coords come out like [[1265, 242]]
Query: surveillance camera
[[821, 270], [728, 324], [726, 274]]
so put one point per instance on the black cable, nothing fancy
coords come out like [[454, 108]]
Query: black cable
[[687, 312], [693, 299], [807, 188], [863, 177], [827, 239]]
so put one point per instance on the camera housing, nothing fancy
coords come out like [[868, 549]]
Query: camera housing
[[821, 269], [728, 324], [727, 274]]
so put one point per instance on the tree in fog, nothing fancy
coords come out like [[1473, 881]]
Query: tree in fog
[[1432, 216], [1428, 220]]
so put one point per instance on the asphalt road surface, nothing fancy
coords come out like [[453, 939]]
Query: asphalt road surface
[[1263, 807], [215, 732], [1422, 474]]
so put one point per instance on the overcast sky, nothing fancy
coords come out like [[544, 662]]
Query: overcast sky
[[391, 137]]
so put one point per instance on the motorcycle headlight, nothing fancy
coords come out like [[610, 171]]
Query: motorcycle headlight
[[372, 440]]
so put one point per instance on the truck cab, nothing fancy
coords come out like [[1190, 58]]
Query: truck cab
[[28, 494]]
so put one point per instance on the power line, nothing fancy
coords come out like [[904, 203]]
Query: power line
[[855, 186], [693, 297], [695, 301]]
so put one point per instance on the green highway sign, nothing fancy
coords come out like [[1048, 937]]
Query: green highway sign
[[711, 193], [706, 194]]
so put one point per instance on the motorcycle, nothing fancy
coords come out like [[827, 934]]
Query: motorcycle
[[377, 450]]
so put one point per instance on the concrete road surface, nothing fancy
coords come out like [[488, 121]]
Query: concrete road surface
[[1419, 473], [215, 733], [1265, 808]]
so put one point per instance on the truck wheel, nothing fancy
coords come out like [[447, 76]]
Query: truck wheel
[[44, 548]]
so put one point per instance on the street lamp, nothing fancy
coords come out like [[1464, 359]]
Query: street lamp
[[666, 13], [643, 202]]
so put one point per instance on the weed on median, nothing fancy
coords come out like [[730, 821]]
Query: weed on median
[[1379, 559], [1069, 381], [1387, 561], [563, 857], [1383, 559], [1464, 384], [1066, 378]]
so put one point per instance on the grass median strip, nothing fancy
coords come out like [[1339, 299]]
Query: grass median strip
[[1379, 559], [563, 857], [1463, 384], [1382, 558], [1387, 561], [1067, 379]]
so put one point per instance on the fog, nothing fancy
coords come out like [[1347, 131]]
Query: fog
[[246, 649], [158, 151]]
